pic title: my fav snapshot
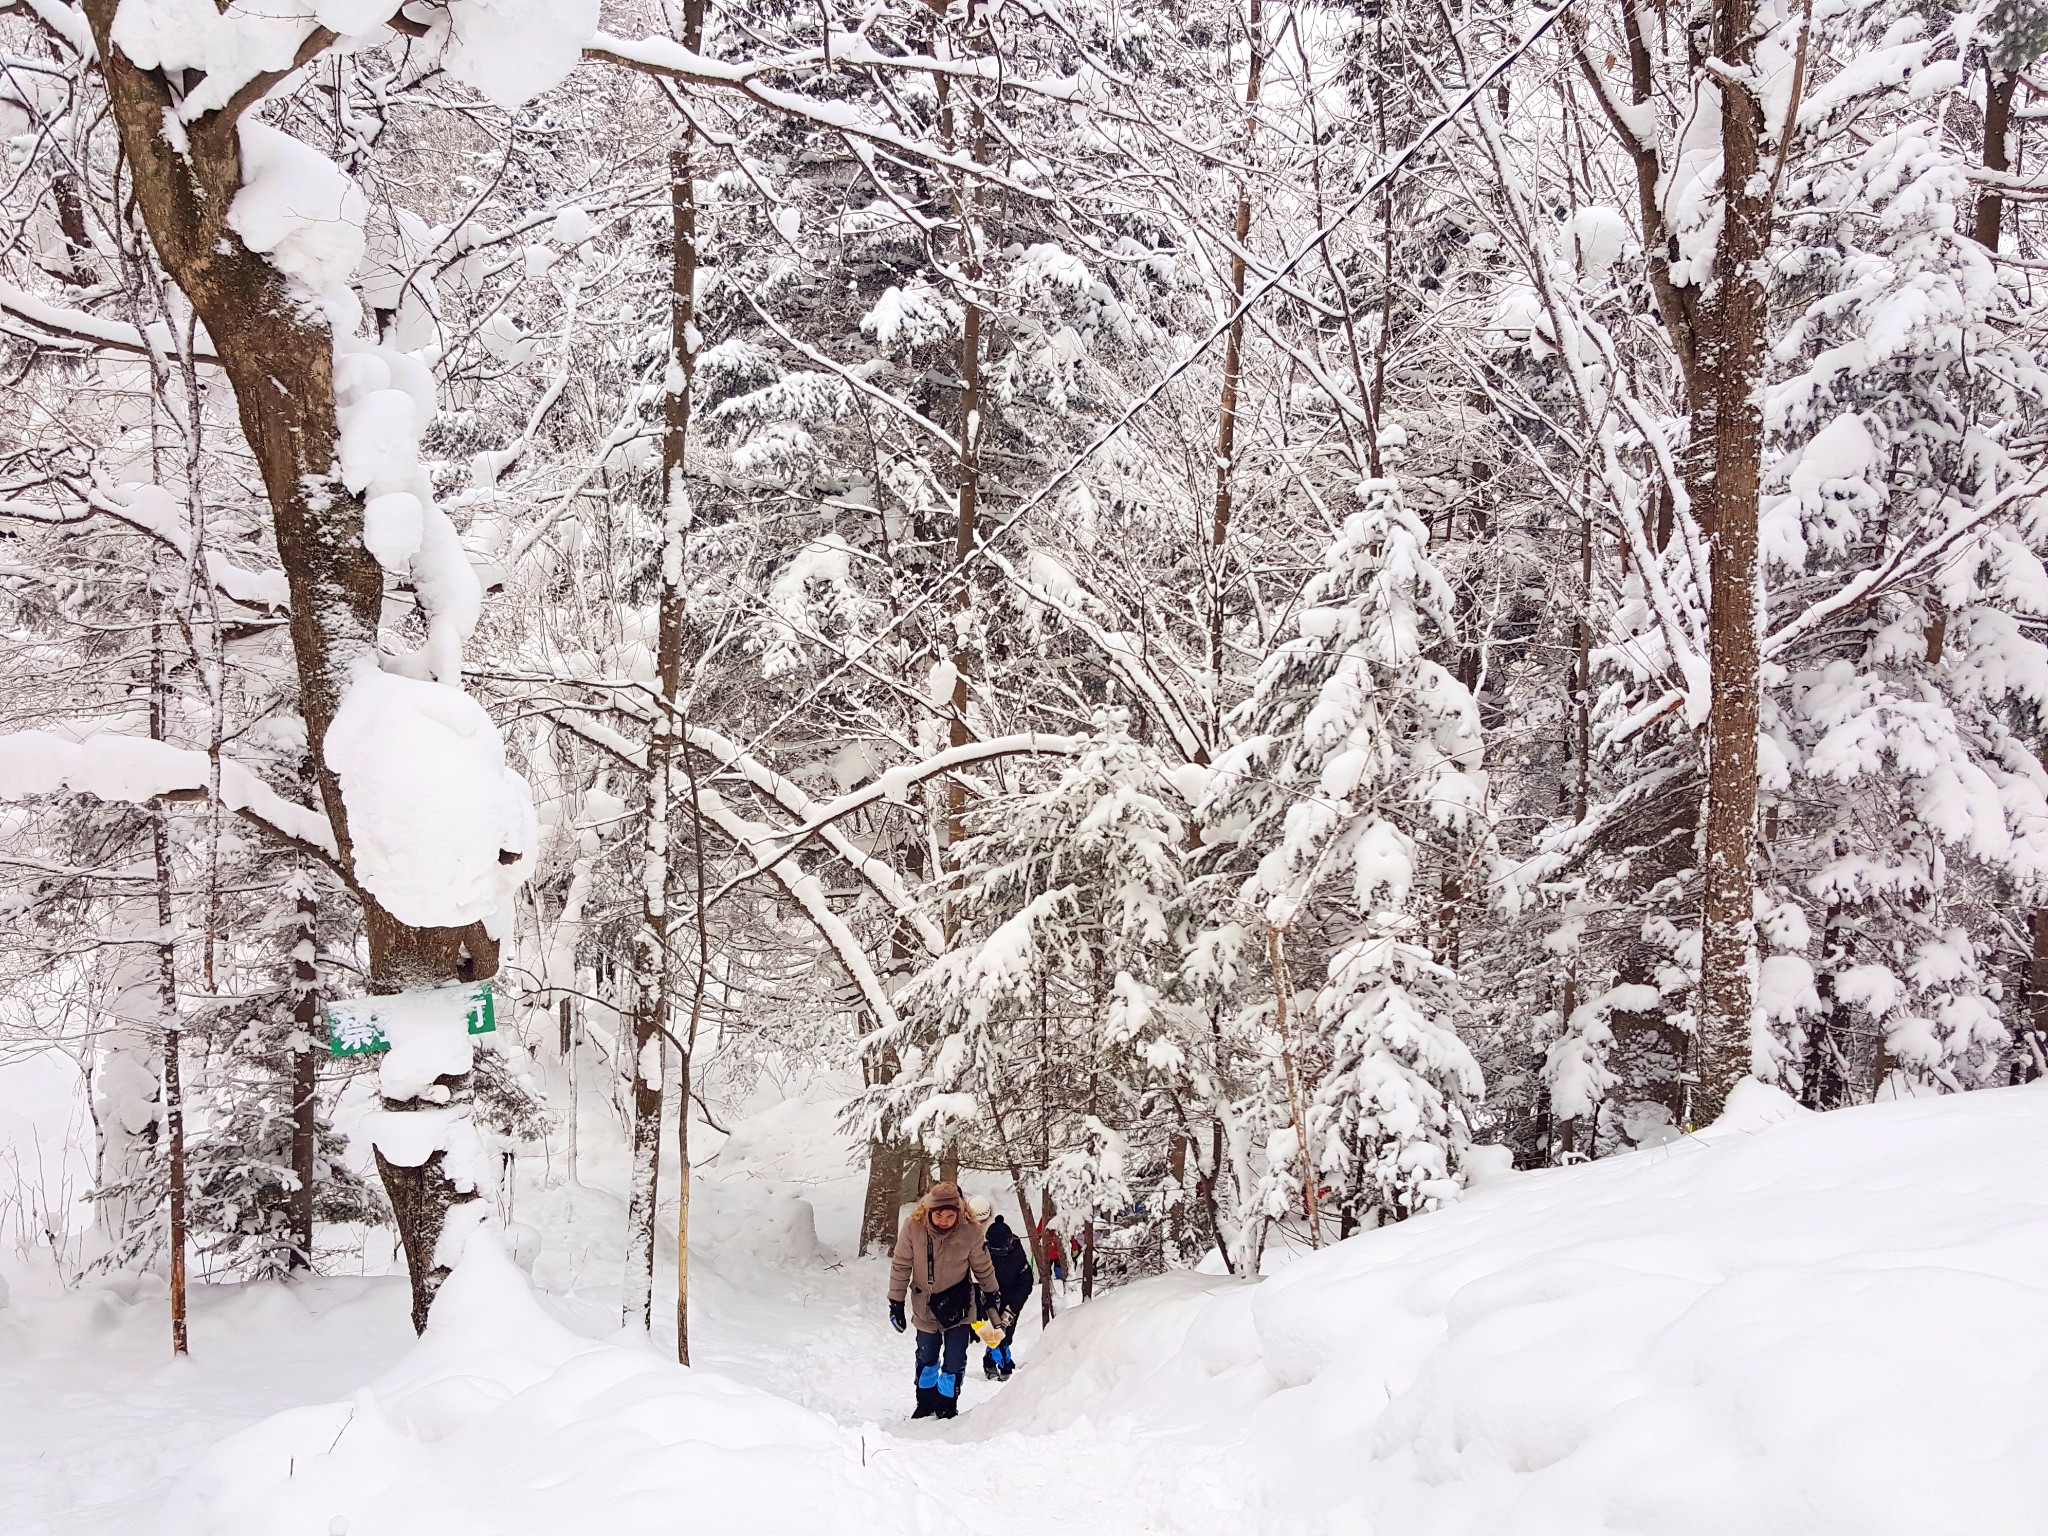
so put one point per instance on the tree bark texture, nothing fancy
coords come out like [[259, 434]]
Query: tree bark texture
[[879, 1208], [1998, 89], [1728, 455]]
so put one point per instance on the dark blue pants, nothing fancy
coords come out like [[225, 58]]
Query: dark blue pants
[[941, 1358]]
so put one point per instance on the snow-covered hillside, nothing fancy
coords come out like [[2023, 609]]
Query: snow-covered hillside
[[1830, 1325], [1811, 1324]]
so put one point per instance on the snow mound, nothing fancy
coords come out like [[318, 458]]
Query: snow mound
[[792, 1140], [777, 1229], [298, 208], [1834, 1325], [756, 1197], [503, 1421]]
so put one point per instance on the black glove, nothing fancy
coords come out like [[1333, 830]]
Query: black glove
[[992, 1307], [896, 1316]]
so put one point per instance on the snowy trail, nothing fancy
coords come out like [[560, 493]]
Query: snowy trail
[[813, 1330], [97, 1426], [1809, 1325]]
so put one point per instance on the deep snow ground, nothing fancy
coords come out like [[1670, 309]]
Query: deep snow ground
[[1810, 1325], [98, 1425], [97, 1421]]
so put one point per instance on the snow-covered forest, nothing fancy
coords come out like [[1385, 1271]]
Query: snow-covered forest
[[1222, 619]]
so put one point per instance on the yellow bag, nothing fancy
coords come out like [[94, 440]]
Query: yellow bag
[[988, 1333]]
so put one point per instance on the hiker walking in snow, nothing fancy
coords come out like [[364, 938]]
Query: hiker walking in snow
[[942, 1267], [1013, 1283]]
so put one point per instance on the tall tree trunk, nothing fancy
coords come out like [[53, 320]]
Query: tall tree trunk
[[279, 358], [174, 1151], [967, 470], [683, 1208], [1728, 453], [173, 1085], [653, 1018], [305, 1105], [167, 1005], [1233, 367], [1999, 85]]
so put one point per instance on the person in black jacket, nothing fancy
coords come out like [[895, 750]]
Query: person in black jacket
[[1013, 1282]]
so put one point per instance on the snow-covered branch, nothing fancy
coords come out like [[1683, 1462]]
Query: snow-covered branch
[[135, 770]]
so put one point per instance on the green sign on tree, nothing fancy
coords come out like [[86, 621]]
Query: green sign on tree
[[357, 1026]]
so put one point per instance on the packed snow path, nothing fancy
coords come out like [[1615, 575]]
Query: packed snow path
[[1823, 1325]]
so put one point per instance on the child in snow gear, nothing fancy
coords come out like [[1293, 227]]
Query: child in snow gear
[[1014, 1281], [1055, 1253], [942, 1268]]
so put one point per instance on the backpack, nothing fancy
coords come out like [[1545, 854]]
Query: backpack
[[951, 1307]]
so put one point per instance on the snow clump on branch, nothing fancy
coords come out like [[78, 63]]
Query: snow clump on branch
[[443, 831]]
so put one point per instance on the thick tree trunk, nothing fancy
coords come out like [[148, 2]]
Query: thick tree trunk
[[279, 358], [1728, 446]]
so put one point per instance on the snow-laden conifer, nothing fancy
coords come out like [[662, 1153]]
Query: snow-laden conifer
[[1352, 797]]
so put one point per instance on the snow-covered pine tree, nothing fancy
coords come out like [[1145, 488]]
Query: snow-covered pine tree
[[1046, 1040], [1358, 767], [1902, 557]]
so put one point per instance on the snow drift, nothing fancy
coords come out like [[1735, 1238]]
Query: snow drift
[[1816, 1325], [503, 1422], [1791, 1323]]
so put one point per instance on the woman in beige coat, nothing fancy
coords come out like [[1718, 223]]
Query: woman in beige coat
[[942, 1268]]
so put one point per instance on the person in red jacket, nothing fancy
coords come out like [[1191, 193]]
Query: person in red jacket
[[1055, 1252]]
